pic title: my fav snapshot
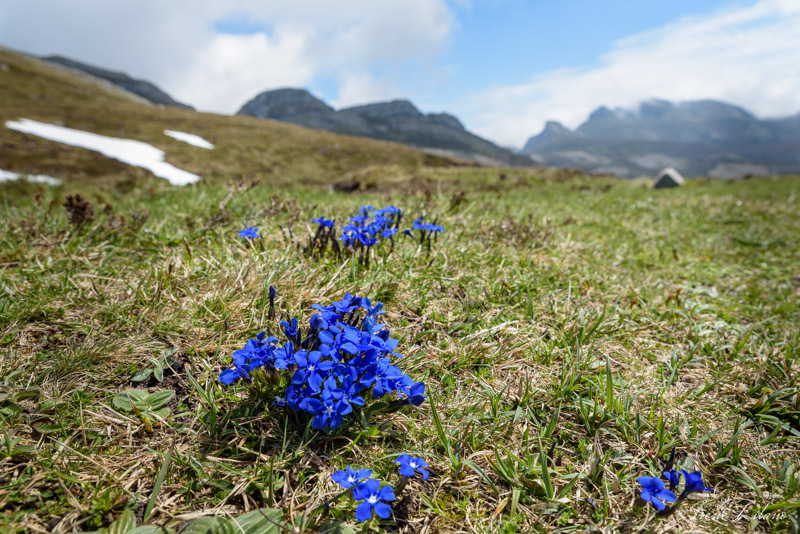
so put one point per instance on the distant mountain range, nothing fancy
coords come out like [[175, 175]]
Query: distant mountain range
[[398, 120], [700, 138], [143, 88]]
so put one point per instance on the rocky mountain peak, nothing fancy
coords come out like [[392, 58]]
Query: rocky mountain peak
[[386, 110], [704, 137], [655, 108], [282, 103], [447, 120], [396, 120], [552, 130]]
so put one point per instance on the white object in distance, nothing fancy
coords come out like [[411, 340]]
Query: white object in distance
[[128, 151], [9, 176], [191, 139]]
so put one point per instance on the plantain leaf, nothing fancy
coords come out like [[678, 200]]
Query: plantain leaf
[[255, 523], [123, 524], [159, 399], [210, 525], [336, 527], [142, 375], [135, 397]]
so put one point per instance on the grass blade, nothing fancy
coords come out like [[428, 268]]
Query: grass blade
[[162, 474]]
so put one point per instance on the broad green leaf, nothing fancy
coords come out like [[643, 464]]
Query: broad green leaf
[[43, 428], [255, 523], [336, 527], [158, 372], [136, 397], [150, 530], [159, 399], [10, 409], [210, 525], [162, 413], [142, 375], [124, 523]]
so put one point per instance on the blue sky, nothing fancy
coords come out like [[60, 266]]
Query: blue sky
[[503, 67], [500, 42], [504, 42]]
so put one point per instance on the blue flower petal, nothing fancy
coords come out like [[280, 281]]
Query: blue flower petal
[[364, 512], [383, 510]]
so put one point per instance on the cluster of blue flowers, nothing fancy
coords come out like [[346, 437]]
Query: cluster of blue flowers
[[655, 492], [367, 230], [344, 357], [373, 495], [251, 232], [426, 231], [370, 225]]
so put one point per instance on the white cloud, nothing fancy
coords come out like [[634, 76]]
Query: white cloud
[[174, 43], [748, 56], [361, 87], [233, 68]]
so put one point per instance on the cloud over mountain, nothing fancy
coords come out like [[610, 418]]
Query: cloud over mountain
[[746, 55], [217, 54]]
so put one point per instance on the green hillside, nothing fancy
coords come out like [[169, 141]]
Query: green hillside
[[245, 147], [571, 332]]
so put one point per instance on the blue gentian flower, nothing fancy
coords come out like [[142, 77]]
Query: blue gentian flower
[[409, 464], [310, 370], [290, 329], [382, 376], [367, 240], [251, 232], [372, 494], [327, 413], [350, 389], [372, 311], [673, 477], [343, 354], [322, 221], [350, 477], [229, 376], [349, 303], [284, 357], [654, 492], [694, 482], [414, 392]]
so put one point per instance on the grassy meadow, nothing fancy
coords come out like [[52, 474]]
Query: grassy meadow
[[570, 333]]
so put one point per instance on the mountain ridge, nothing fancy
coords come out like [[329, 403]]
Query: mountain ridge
[[699, 138], [147, 90], [395, 120]]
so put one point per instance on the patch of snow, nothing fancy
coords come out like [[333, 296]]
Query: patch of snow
[[192, 139], [8, 176], [125, 150]]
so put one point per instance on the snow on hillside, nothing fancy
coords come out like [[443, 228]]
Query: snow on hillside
[[8, 176], [191, 139], [127, 151]]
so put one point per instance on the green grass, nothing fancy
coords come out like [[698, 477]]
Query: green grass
[[271, 151], [570, 333]]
